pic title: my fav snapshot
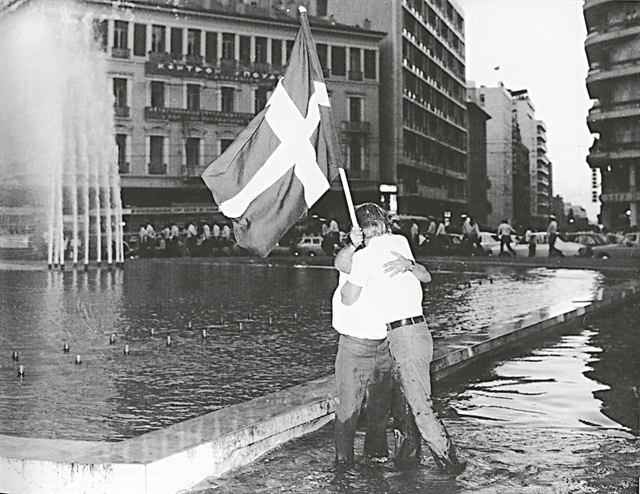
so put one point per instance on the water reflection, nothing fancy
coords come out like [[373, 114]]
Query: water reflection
[[268, 329]]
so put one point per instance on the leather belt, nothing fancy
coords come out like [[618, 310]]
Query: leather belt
[[405, 322]]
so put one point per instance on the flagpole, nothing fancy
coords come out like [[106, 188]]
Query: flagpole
[[347, 195]]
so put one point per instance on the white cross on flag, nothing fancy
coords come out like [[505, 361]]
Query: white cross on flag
[[283, 161]]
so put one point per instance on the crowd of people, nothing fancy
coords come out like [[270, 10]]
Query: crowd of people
[[194, 239]]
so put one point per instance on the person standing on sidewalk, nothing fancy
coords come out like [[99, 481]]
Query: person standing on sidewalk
[[388, 279], [531, 240], [504, 232], [552, 235]]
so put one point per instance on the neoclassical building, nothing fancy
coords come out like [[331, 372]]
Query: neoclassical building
[[189, 75]]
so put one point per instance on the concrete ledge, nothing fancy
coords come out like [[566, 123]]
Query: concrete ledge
[[180, 456]]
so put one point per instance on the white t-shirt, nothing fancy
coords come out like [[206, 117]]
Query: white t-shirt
[[355, 320], [388, 298]]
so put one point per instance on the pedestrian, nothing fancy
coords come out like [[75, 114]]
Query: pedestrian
[[439, 240], [393, 290], [552, 235], [475, 235], [504, 232], [414, 233], [531, 240], [192, 238], [467, 231]]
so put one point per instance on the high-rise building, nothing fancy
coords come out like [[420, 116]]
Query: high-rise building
[[520, 179], [613, 51], [423, 129], [534, 137], [479, 206]]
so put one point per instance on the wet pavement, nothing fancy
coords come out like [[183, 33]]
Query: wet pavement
[[559, 417]]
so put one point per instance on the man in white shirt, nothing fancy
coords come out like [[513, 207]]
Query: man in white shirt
[[504, 232], [552, 235], [385, 278]]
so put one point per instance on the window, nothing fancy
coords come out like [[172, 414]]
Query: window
[[176, 42], [158, 39], [211, 47], [121, 143], [355, 109], [139, 40], [370, 65], [193, 42], [156, 149], [321, 8], [100, 33], [289, 49], [193, 97], [261, 50], [245, 49], [322, 51], [355, 72], [157, 94], [276, 52], [224, 144], [120, 92], [228, 46], [192, 152], [121, 35], [261, 96], [338, 60], [227, 103]]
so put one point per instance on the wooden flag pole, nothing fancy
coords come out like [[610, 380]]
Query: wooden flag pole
[[347, 195]]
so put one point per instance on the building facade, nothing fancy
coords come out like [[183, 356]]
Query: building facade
[[189, 76], [534, 136], [613, 52], [423, 123], [479, 206]]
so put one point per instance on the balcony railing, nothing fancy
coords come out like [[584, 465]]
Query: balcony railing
[[359, 127], [121, 111], [156, 56], [124, 167], [355, 75], [207, 116], [157, 168], [120, 52], [194, 59]]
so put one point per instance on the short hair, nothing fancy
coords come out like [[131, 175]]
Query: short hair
[[373, 220]]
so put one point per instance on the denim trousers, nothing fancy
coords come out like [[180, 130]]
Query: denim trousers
[[412, 352], [363, 375]]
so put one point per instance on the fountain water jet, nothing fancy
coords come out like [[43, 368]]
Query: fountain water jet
[[60, 186]]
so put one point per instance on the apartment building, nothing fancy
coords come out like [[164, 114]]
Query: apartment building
[[534, 136], [479, 206], [613, 52], [423, 128]]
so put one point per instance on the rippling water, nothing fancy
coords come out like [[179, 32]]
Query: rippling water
[[559, 419], [268, 328]]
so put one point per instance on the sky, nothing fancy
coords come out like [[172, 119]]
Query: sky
[[538, 45]]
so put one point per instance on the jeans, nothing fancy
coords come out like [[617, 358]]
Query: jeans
[[412, 351], [363, 373]]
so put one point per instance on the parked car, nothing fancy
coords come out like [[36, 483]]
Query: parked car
[[588, 238], [629, 247], [309, 245], [521, 247], [489, 241]]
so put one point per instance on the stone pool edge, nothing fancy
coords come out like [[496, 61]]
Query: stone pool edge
[[180, 456]]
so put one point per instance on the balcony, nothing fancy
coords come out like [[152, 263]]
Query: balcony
[[355, 75], [629, 68], [121, 111], [541, 145], [423, 191], [356, 127], [194, 59], [226, 70], [621, 109], [157, 168], [206, 116], [626, 29], [120, 52], [156, 56], [124, 167]]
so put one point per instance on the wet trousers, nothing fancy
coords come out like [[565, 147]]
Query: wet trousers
[[412, 351], [363, 374]]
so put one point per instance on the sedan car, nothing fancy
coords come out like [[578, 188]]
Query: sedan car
[[521, 247], [629, 247], [588, 238]]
